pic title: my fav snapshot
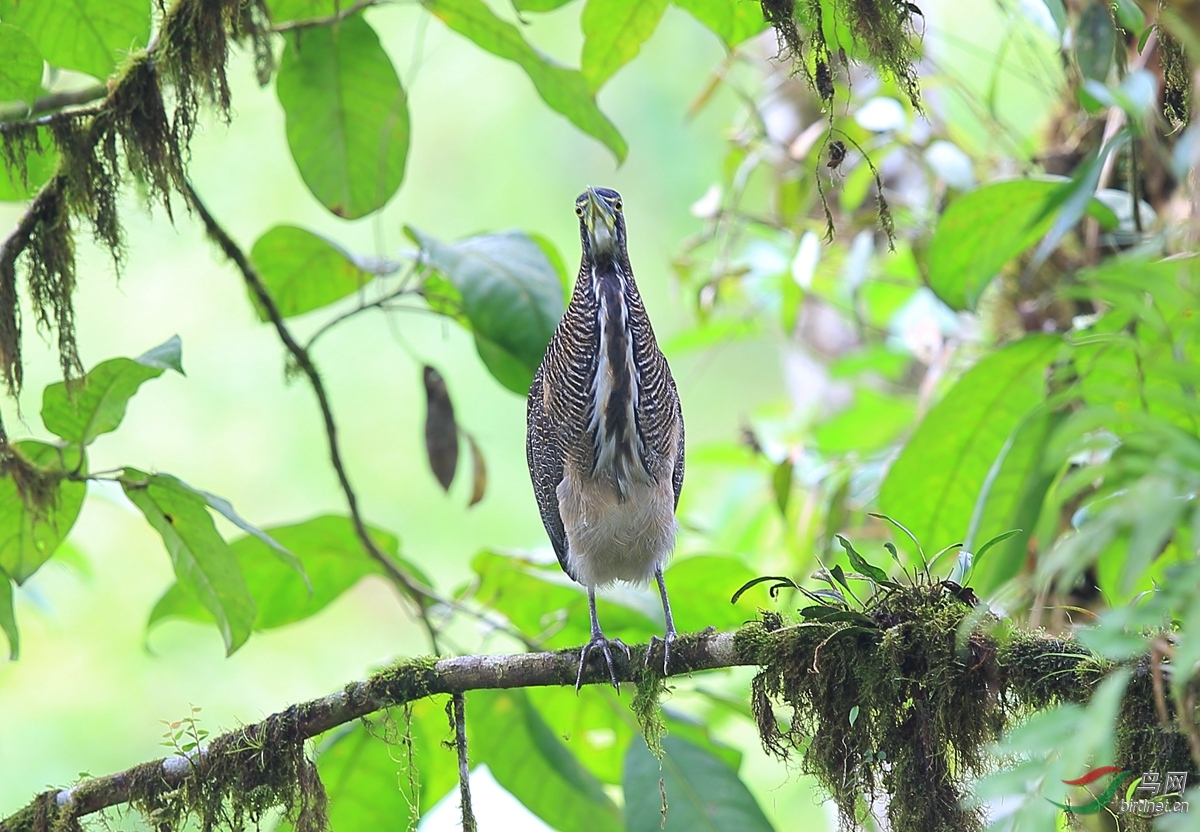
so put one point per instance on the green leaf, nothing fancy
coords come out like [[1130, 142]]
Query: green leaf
[[981, 231], [1011, 498], [21, 69], [285, 11], [329, 552], [1095, 41], [96, 403], [703, 794], [347, 116], [533, 765], [204, 564], [539, 600], [613, 34], [91, 36], [934, 482], [733, 21], [366, 770], [860, 563], [29, 535], [303, 271], [700, 587], [8, 618], [510, 296], [781, 484], [872, 422], [595, 725], [564, 90]]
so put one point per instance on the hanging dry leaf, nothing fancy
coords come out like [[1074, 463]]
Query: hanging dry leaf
[[441, 431], [479, 466]]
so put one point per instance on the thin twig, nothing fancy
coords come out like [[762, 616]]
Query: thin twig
[[53, 102], [459, 706], [419, 595]]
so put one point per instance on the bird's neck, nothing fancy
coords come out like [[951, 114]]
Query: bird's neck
[[615, 387]]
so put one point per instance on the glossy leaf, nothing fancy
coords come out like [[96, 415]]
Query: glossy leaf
[[509, 294], [703, 794], [564, 90], [347, 116], [1011, 498], [539, 5], [21, 69], [90, 36], [537, 601], [332, 557], [733, 21], [277, 549], [596, 725], [613, 34], [933, 485], [29, 536], [700, 587], [205, 566], [8, 618], [96, 404], [303, 271], [533, 765], [981, 231], [441, 431], [781, 484], [860, 563], [366, 770]]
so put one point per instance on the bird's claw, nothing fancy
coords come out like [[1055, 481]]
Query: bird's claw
[[598, 640], [666, 642]]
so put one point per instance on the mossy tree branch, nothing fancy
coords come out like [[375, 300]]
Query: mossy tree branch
[[962, 694]]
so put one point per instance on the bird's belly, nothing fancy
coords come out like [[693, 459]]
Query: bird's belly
[[609, 539]]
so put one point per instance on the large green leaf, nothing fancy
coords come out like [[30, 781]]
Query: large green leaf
[[533, 765], [509, 294], [933, 485], [204, 564], [981, 231], [700, 588], [347, 116], [733, 21], [367, 775], [8, 618], [96, 404], [303, 271], [703, 794], [29, 535], [284, 11], [92, 36], [596, 725], [539, 5], [330, 553], [1011, 498], [539, 600], [564, 90], [613, 34], [21, 69]]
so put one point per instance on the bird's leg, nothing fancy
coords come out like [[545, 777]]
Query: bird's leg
[[669, 637], [598, 640]]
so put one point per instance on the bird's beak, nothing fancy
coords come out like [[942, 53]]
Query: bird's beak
[[601, 222]]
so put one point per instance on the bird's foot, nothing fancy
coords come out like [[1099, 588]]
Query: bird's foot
[[604, 645], [666, 642]]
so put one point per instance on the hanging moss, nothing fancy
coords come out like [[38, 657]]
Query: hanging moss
[[1177, 79]]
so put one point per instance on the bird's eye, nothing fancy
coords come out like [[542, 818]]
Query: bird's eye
[[579, 210], [617, 205]]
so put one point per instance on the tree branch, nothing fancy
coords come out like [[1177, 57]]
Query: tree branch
[[405, 681]]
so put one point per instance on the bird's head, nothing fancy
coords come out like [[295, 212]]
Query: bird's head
[[601, 225]]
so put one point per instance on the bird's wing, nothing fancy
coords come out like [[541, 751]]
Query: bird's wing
[[545, 458], [677, 474]]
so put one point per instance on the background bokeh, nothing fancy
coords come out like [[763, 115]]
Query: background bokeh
[[91, 686]]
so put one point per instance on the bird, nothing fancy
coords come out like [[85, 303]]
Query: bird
[[605, 437]]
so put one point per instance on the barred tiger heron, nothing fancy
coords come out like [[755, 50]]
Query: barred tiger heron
[[605, 431]]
